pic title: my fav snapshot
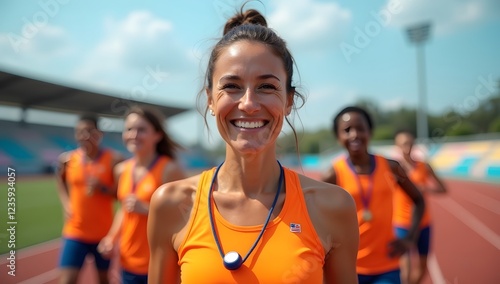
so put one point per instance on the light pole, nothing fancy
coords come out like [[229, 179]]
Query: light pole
[[418, 34]]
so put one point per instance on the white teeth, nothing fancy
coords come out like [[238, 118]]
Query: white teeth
[[246, 124]]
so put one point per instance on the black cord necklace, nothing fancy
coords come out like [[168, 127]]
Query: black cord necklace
[[232, 260]]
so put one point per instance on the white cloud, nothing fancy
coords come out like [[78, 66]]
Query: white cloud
[[132, 45], [309, 24], [43, 45], [447, 16]]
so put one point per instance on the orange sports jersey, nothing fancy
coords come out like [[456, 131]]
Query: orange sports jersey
[[134, 248], [376, 234], [290, 251], [92, 215], [403, 205]]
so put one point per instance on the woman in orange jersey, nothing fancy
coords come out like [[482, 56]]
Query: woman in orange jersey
[[87, 189], [153, 163], [251, 220], [422, 175], [372, 180]]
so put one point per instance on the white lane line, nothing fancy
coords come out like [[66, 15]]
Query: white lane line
[[42, 278], [471, 221], [435, 272], [34, 250], [483, 201]]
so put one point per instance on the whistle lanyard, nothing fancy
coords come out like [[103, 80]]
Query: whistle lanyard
[[240, 261]]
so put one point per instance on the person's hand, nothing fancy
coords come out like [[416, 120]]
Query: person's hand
[[132, 204], [398, 247], [105, 247]]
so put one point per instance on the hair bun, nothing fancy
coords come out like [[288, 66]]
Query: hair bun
[[242, 18]]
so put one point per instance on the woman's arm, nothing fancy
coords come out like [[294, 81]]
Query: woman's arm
[[414, 194], [163, 266], [333, 213], [106, 245], [439, 187], [329, 176], [342, 223], [168, 217], [62, 188]]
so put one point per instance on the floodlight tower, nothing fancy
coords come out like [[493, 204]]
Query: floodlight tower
[[418, 35]]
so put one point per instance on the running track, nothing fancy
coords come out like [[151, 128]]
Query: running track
[[466, 242]]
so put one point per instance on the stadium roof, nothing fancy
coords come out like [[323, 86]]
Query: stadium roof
[[28, 93]]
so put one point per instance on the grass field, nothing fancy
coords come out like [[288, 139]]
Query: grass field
[[38, 213]]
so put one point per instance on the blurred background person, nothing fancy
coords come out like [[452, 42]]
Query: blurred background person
[[153, 164], [371, 180], [87, 189], [424, 177]]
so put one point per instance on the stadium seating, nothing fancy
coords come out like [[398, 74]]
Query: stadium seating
[[34, 149]]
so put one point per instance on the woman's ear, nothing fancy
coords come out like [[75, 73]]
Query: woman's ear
[[289, 102], [210, 101]]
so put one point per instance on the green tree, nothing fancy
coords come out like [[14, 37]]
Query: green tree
[[494, 125], [461, 129], [383, 132]]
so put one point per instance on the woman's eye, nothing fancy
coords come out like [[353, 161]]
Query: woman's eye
[[268, 86], [230, 86]]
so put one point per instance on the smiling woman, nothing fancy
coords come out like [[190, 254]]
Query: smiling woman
[[231, 223]]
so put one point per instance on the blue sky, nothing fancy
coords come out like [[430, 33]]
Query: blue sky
[[111, 46]]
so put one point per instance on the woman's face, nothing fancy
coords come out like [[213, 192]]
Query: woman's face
[[87, 135], [249, 96], [354, 133], [139, 135], [405, 142]]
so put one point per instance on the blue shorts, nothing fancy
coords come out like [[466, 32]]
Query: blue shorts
[[132, 278], [423, 241], [391, 277], [73, 255]]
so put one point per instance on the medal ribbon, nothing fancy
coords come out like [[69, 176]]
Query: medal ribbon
[[135, 182], [365, 199], [88, 164]]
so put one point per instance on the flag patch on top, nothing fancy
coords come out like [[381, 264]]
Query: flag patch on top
[[295, 228]]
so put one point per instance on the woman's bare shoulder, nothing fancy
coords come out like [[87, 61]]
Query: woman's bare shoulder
[[175, 192]]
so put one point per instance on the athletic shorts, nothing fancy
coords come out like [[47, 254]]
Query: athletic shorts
[[73, 255], [391, 277], [132, 278], [423, 241]]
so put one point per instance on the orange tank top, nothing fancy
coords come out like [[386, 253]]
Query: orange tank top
[[134, 248], [403, 205], [375, 235], [92, 215], [290, 251]]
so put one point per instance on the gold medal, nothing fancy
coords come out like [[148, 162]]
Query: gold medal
[[367, 215]]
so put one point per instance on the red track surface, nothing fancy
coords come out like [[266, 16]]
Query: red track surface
[[466, 242]]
